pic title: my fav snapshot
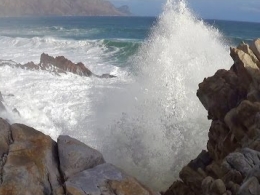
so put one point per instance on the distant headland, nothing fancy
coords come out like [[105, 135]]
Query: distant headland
[[17, 8]]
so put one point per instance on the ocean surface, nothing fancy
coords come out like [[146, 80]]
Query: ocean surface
[[148, 120]]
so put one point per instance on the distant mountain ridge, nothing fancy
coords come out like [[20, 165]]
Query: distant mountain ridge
[[60, 8]]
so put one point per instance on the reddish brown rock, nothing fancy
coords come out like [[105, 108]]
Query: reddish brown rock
[[57, 66], [63, 65]]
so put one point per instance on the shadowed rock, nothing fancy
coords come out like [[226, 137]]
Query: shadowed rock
[[232, 99]]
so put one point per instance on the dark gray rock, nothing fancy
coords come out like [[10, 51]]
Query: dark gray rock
[[243, 161], [250, 187], [75, 156]]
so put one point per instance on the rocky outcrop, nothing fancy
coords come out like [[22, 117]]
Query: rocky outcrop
[[58, 65], [32, 163], [61, 65], [58, 8], [231, 164]]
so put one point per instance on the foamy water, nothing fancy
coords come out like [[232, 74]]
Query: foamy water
[[148, 120]]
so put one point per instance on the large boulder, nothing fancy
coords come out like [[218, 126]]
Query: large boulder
[[75, 156], [31, 166]]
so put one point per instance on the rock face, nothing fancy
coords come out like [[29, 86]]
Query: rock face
[[58, 8], [62, 65], [231, 166], [76, 156], [32, 163], [57, 66]]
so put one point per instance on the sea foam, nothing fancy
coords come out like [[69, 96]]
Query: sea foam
[[148, 120]]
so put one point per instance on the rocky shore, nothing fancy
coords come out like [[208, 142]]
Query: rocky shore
[[32, 163], [58, 65], [231, 164]]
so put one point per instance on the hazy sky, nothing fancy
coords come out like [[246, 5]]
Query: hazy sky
[[242, 10]]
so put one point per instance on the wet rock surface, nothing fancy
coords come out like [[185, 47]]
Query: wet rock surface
[[57, 65], [232, 159]]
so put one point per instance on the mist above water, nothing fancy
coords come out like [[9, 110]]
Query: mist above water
[[148, 120]]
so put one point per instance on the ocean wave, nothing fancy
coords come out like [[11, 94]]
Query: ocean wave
[[100, 55]]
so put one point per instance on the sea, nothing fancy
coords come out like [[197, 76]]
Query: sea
[[148, 120]]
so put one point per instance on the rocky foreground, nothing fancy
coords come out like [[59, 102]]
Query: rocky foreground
[[32, 163], [231, 166]]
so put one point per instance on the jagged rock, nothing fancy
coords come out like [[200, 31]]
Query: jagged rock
[[232, 98], [246, 61], [31, 165], [246, 48], [64, 65], [220, 93], [76, 156], [57, 66], [255, 47]]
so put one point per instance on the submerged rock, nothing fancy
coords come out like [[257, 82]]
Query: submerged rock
[[232, 99]]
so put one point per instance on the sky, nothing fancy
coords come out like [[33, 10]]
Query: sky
[[239, 10]]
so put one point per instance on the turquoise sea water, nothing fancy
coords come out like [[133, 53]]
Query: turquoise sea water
[[122, 36], [148, 120]]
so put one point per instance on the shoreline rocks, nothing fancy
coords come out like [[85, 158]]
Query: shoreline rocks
[[32, 163], [58, 65], [231, 166]]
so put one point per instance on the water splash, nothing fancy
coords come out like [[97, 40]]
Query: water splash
[[163, 124], [149, 122]]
